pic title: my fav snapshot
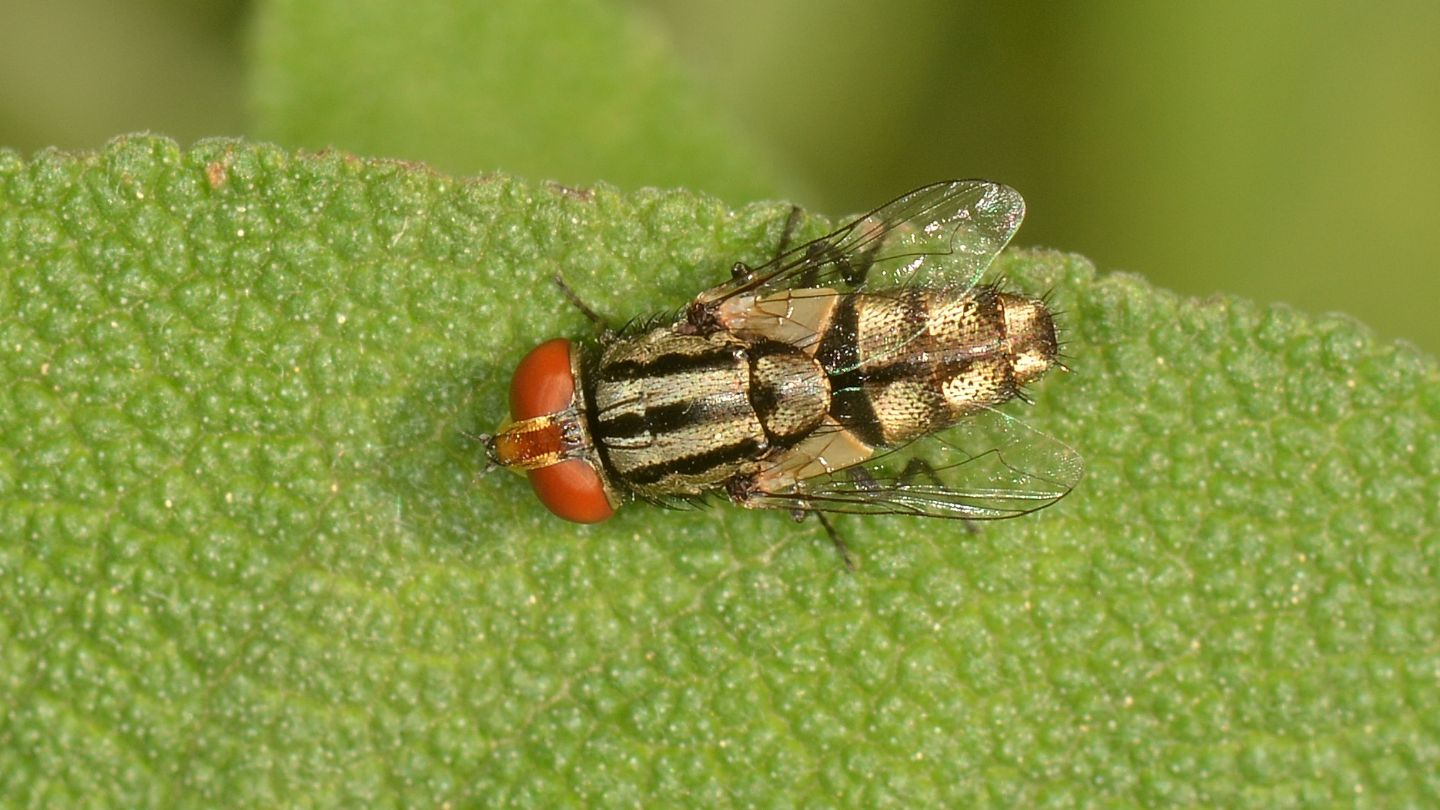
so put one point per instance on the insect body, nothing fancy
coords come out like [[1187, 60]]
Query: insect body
[[857, 373]]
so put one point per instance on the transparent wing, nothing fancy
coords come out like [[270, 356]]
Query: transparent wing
[[944, 234], [989, 467]]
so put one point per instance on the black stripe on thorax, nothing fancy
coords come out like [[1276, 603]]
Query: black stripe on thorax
[[670, 363], [673, 417], [697, 464], [589, 364], [655, 420]]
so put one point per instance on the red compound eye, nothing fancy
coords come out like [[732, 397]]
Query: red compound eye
[[543, 385], [572, 490]]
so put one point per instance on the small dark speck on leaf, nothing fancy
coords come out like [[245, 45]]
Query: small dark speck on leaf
[[216, 173], [581, 194]]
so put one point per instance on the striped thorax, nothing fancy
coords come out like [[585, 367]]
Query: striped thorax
[[679, 415]]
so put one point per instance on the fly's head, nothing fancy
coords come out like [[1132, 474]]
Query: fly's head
[[547, 438]]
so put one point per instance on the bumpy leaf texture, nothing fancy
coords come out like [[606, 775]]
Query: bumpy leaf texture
[[245, 558]]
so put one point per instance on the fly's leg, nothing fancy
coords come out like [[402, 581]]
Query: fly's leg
[[853, 268], [915, 468], [741, 490], [792, 220], [799, 515], [837, 540], [740, 270], [701, 316], [603, 328], [920, 468]]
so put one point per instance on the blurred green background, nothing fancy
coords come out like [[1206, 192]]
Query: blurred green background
[[1283, 151]]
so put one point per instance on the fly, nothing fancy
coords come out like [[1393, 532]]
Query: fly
[[857, 373]]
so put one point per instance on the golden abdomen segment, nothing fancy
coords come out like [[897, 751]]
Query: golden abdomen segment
[[905, 363], [910, 362]]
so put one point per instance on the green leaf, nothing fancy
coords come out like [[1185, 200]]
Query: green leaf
[[246, 560], [570, 90]]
